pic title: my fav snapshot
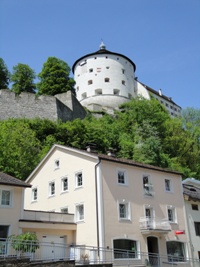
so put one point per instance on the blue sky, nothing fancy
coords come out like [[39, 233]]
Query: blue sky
[[162, 37]]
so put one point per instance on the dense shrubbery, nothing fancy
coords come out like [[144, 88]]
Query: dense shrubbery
[[142, 130]]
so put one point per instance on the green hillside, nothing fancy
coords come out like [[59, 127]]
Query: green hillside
[[142, 131]]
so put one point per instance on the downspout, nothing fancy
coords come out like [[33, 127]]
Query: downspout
[[97, 206]]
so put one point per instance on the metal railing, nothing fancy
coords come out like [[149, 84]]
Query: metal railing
[[44, 251], [154, 223]]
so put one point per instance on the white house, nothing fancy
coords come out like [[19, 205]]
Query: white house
[[106, 79], [11, 204], [118, 203], [191, 192]]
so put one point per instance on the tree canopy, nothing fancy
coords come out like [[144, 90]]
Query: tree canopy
[[23, 79], [54, 78], [4, 75], [141, 130]]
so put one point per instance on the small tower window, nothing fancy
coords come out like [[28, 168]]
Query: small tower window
[[84, 95], [98, 92], [123, 82], [107, 80], [116, 91], [90, 82], [123, 71], [90, 70]]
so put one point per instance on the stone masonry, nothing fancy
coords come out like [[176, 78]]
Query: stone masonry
[[62, 107]]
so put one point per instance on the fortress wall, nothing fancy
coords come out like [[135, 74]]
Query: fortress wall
[[70, 101], [27, 105]]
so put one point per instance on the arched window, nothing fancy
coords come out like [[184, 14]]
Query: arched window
[[107, 80], [125, 248], [175, 251]]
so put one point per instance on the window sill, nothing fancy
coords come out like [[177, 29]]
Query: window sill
[[51, 196], [78, 187], [5, 206], [124, 220], [64, 192], [81, 221]]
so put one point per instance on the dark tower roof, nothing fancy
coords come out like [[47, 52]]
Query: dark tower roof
[[102, 51]]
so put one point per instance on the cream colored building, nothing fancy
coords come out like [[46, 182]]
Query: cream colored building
[[191, 192], [51, 228], [118, 204], [11, 204]]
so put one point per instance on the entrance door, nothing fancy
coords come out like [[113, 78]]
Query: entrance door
[[153, 252]]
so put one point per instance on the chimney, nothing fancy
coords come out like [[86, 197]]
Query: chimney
[[160, 92], [91, 147], [111, 152]]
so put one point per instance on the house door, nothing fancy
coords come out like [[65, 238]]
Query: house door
[[153, 252]]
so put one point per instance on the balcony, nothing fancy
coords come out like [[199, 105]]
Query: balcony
[[154, 225], [43, 219]]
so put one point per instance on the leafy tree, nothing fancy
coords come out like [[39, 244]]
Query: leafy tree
[[23, 79], [54, 77], [191, 115], [25, 242], [4, 75], [19, 148]]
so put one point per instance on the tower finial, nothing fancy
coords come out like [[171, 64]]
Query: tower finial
[[102, 45]]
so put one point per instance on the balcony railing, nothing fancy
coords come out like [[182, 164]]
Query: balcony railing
[[33, 215], [154, 224]]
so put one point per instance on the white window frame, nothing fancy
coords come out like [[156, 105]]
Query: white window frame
[[147, 187], [56, 164], [62, 184], [126, 205], [80, 217], [64, 208], [50, 188], [34, 196], [10, 197], [125, 177], [173, 210], [77, 181], [170, 185]]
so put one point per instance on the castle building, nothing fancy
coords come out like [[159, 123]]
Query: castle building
[[106, 79]]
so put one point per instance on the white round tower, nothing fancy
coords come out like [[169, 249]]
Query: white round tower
[[104, 79]]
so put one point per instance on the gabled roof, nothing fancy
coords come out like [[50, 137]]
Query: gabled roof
[[192, 192], [191, 189], [137, 164], [99, 157], [157, 93], [6, 179]]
